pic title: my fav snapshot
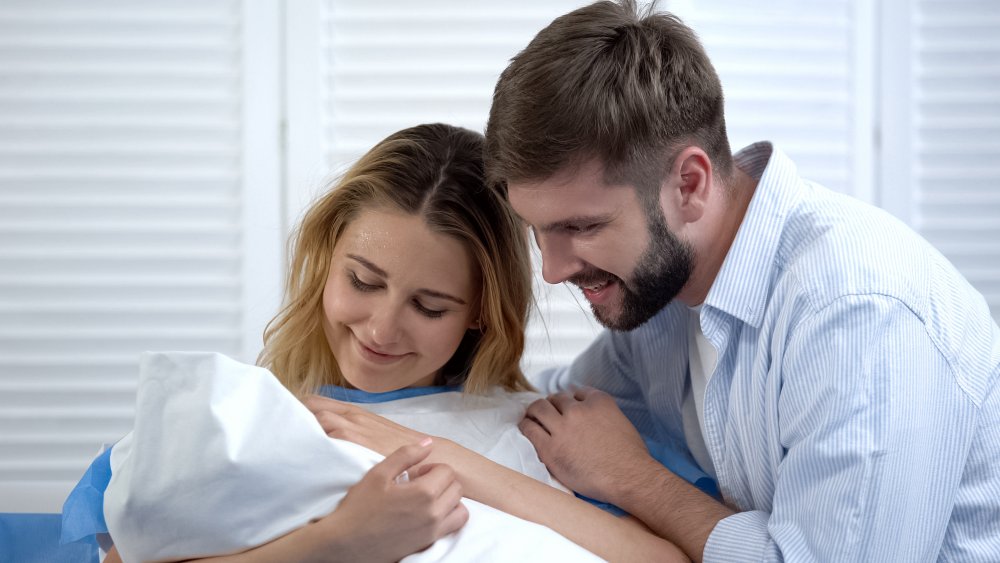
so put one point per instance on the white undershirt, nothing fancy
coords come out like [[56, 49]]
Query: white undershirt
[[702, 358]]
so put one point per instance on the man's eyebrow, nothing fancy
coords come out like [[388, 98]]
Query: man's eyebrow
[[382, 273], [573, 222]]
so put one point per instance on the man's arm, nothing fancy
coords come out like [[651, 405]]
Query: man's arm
[[591, 447], [874, 430]]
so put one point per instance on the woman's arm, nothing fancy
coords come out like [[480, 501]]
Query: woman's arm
[[482, 480], [380, 519]]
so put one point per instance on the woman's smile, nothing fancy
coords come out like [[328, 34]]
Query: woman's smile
[[374, 355]]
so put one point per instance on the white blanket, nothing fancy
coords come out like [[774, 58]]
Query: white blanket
[[223, 458]]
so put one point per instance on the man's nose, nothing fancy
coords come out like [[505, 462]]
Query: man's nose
[[559, 262]]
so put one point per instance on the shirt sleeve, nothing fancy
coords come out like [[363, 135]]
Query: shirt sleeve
[[874, 432], [606, 364]]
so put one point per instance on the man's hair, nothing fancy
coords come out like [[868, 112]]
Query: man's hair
[[606, 81]]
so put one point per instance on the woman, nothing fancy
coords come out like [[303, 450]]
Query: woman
[[411, 273]]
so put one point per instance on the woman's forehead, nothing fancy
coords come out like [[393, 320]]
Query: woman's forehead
[[406, 248]]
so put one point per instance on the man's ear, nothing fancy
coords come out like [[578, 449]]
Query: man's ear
[[687, 187]]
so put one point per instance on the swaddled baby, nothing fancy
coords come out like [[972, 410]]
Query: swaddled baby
[[223, 458]]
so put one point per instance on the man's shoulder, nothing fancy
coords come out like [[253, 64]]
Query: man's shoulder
[[833, 246]]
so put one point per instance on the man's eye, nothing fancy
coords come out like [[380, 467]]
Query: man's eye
[[360, 285], [577, 229]]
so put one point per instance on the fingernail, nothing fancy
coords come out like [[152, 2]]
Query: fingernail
[[426, 442]]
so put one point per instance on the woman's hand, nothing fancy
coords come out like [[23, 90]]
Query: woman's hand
[[354, 424], [384, 518]]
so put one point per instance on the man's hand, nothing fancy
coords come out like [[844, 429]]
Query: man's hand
[[586, 442]]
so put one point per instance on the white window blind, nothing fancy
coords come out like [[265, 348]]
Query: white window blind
[[956, 135], [137, 212], [798, 74]]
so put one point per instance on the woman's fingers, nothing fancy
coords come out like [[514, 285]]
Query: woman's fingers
[[434, 479], [447, 505], [318, 403], [330, 422], [401, 460], [455, 519]]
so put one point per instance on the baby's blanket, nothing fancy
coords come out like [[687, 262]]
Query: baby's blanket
[[223, 458]]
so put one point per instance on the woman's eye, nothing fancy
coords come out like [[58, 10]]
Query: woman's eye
[[360, 285], [431, 313]]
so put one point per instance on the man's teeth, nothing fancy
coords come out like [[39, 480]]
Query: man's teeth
[[595, 287]]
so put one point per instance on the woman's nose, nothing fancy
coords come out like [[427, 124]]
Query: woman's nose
[[384, 327]]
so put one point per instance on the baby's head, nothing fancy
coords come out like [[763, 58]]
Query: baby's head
[[410, 271]]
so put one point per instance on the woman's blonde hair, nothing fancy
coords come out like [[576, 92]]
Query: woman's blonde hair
[[436, 172]]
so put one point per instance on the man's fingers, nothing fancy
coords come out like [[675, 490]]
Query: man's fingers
[[562, 401], [401, 460], [533, 431], [543, 412], [583, 393]]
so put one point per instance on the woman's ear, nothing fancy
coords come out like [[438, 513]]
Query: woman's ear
[[686, 188]]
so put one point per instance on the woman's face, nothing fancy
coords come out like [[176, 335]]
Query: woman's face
[[397, 302]]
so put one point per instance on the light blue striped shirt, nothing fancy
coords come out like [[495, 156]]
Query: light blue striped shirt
[[854, 413]]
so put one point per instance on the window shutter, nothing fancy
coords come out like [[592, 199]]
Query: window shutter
[[795, 73], [125, 217], [956, 136]]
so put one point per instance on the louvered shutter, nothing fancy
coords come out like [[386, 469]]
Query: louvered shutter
[[792, 73], [138, 211], [955, 131]]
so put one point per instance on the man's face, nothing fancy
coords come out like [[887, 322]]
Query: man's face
[[602, 238]]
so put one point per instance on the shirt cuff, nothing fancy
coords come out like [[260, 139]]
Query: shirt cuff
[[740, 537]]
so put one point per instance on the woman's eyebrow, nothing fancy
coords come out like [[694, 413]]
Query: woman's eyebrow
[[440, 295], [382, 273], [369, 265]]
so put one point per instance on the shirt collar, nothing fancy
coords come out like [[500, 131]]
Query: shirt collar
[[741, 287]]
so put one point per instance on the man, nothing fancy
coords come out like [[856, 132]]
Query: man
[[828, 367]]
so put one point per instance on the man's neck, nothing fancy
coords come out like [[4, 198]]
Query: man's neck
[[720, 232]]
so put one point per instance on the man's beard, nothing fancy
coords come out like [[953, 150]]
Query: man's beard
[[663, 269]]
